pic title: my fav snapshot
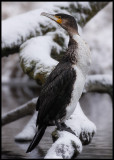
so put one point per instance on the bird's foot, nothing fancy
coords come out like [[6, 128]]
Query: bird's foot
[[64, 127]]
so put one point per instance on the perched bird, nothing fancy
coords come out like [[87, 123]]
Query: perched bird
[[64, 86]]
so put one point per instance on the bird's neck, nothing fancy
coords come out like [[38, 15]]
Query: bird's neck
[[70, 55], [72, 32], [72, 41], [82, 54]]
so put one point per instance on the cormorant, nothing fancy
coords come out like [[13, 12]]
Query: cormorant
[[64, 86]]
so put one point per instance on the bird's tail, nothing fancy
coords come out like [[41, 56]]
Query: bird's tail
[[36, 138]]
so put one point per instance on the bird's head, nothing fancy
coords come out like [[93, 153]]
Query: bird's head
[[65, 21]]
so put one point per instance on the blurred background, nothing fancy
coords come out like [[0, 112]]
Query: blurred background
[[98, 107]]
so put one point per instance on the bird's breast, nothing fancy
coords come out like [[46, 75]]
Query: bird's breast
[[83, 54], [76, 92]]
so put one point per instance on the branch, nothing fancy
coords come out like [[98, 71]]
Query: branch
[[99, 83], [19, 112], [67, 146], [16, 30], [87, 10]]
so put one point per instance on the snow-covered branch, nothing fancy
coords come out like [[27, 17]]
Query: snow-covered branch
[[99, 83], [67, 146], [22, 111], [16, 30]]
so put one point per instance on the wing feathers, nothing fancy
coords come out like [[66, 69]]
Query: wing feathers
[[56, 93]]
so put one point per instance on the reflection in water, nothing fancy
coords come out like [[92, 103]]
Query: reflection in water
[[10, 155], [97, 107]]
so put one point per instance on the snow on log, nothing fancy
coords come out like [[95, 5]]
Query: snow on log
[[66, 146], [16, 30]]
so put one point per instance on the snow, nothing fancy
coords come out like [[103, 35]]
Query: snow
[[104, 79], [23, 26], [38, 50], [18, 7], [17, 29], [80, 124], [63, 147], [29, 130], [56, 4], [84, 4], [20, 27], [98, 34]]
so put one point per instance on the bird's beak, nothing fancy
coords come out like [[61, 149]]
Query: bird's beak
[[53, 17]]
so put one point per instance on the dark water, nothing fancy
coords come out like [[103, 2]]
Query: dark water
[[97, 107]]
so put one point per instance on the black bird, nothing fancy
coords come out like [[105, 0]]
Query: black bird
[[64, 86]]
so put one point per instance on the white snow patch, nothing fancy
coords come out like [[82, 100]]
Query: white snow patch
[[84, 4], [63, 147], [38, 50], [78, 122], [98, 34], [29, 131], [104, 79], [20, 27]]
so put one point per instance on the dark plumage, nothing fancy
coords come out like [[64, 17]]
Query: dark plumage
[[56, 93]]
